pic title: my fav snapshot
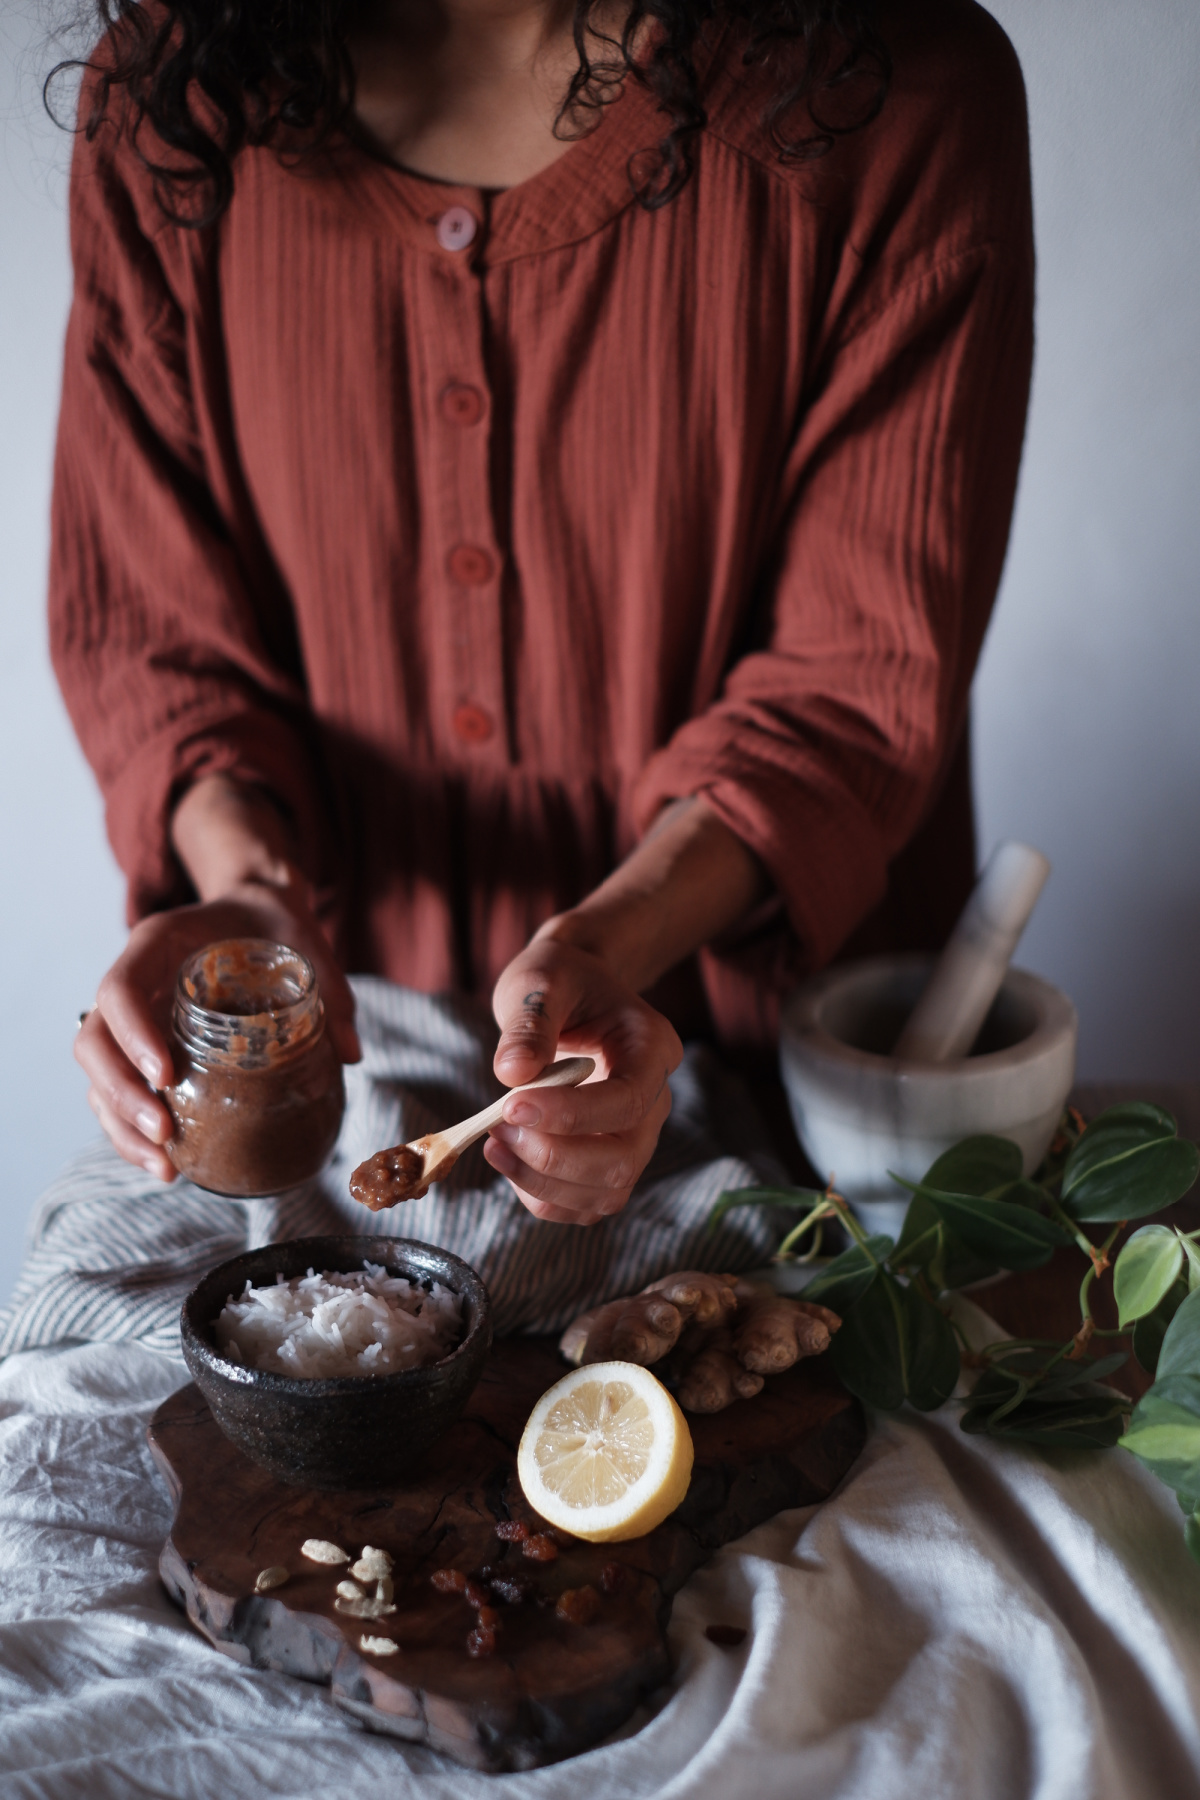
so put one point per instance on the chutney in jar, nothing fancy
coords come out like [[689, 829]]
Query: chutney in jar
[[258, 1095]]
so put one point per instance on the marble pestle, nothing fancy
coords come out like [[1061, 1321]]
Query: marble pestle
[[968, 975]]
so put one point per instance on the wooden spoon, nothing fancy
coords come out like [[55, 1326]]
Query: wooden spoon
[[407, 1170]]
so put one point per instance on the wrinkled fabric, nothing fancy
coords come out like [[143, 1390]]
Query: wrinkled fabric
[[113, 1250], [962, 1621], [474, 558]]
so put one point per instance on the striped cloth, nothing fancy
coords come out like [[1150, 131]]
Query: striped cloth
[[113, 1251]]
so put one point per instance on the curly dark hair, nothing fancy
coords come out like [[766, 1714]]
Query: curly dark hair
[[212, 76]]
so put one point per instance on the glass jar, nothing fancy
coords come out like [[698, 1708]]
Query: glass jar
[[258, 1094]]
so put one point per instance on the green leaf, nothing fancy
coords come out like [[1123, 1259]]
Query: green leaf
[[1191, 1536], [977, 1166], [1041, 1400], [1180, 1353], [894, 1346], [1164, 1431], [848, 1275], [1128, 1163], [926, 1242], [1012, 1237], [1145, 1271], [1193, 1257], [797, 1199], [1148, 1333], [1028, 1194], [1084, 1421]]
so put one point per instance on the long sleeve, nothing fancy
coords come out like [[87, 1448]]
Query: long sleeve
[[830, 740], [169, 632]]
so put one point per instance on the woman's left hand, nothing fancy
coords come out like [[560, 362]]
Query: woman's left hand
[[574, 1154]]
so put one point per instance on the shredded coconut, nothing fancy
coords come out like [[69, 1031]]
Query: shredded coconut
[[316, 1326]]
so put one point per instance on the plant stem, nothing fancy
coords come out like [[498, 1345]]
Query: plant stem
[[823, 1210], [1068, 1224], [1099, 1262], [842, 1208]]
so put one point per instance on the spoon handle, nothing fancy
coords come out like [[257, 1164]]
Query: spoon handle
[[567, 1073]]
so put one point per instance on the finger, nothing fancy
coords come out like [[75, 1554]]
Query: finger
[[337, 997], [118, 1084], [619, 1103], [576, 1204], [123, 1003], [596, 1160], [530, 1010], [129, 1143]]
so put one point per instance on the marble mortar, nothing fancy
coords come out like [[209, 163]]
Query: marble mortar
[[860, 1112]]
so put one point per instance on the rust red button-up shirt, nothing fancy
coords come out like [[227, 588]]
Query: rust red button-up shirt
[[475, 528]]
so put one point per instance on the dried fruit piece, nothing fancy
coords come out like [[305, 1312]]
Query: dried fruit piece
[[378, 1646], [540, 1548], [488, 1618], [578, 1606], [266, 1579], [372, 1565], [512, 1589], [449, 1581], [613, 1577], [481, 1641], [728, 1636], [512, 1531], [320, 1550], [475, 1595]]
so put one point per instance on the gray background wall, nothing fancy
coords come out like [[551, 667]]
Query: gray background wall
[[1087, 722]]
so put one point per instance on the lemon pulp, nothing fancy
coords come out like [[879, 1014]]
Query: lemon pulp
[[606, 1453]]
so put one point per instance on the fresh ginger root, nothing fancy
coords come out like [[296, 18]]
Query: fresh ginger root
[[714, 1378], [644, 1327], [640, 1329], [772, 1332], [720, 1335], [708, 1300]]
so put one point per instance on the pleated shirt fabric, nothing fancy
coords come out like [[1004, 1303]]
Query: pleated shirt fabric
[[474, 528]]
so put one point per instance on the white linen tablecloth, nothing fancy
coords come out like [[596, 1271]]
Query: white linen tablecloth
[[962, 1621]]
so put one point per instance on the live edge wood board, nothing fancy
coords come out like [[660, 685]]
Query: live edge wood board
[[552, 1688]]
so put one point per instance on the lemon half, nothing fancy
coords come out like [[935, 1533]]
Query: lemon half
[[606, 1454]]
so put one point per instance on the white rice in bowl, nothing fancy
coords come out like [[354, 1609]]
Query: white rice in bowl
[[317, 1326]]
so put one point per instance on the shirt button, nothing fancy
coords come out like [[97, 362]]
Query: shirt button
[[471, 565], [456, 228], [472, 724], [461, 404]]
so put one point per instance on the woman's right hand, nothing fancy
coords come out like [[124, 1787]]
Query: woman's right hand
[[122, 1043]]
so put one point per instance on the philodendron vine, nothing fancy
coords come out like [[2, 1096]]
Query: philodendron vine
[[973, 1215]]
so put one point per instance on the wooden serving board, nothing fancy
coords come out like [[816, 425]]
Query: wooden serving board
[[552, 1688]]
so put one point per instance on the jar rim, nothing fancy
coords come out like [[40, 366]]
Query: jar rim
[[228, 970]]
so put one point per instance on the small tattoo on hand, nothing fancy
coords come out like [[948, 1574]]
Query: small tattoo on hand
[[535, 1003]]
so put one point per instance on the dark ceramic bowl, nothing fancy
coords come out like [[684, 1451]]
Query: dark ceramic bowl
[[351, 1431]]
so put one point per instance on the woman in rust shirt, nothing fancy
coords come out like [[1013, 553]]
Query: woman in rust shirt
[[533, 506]]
